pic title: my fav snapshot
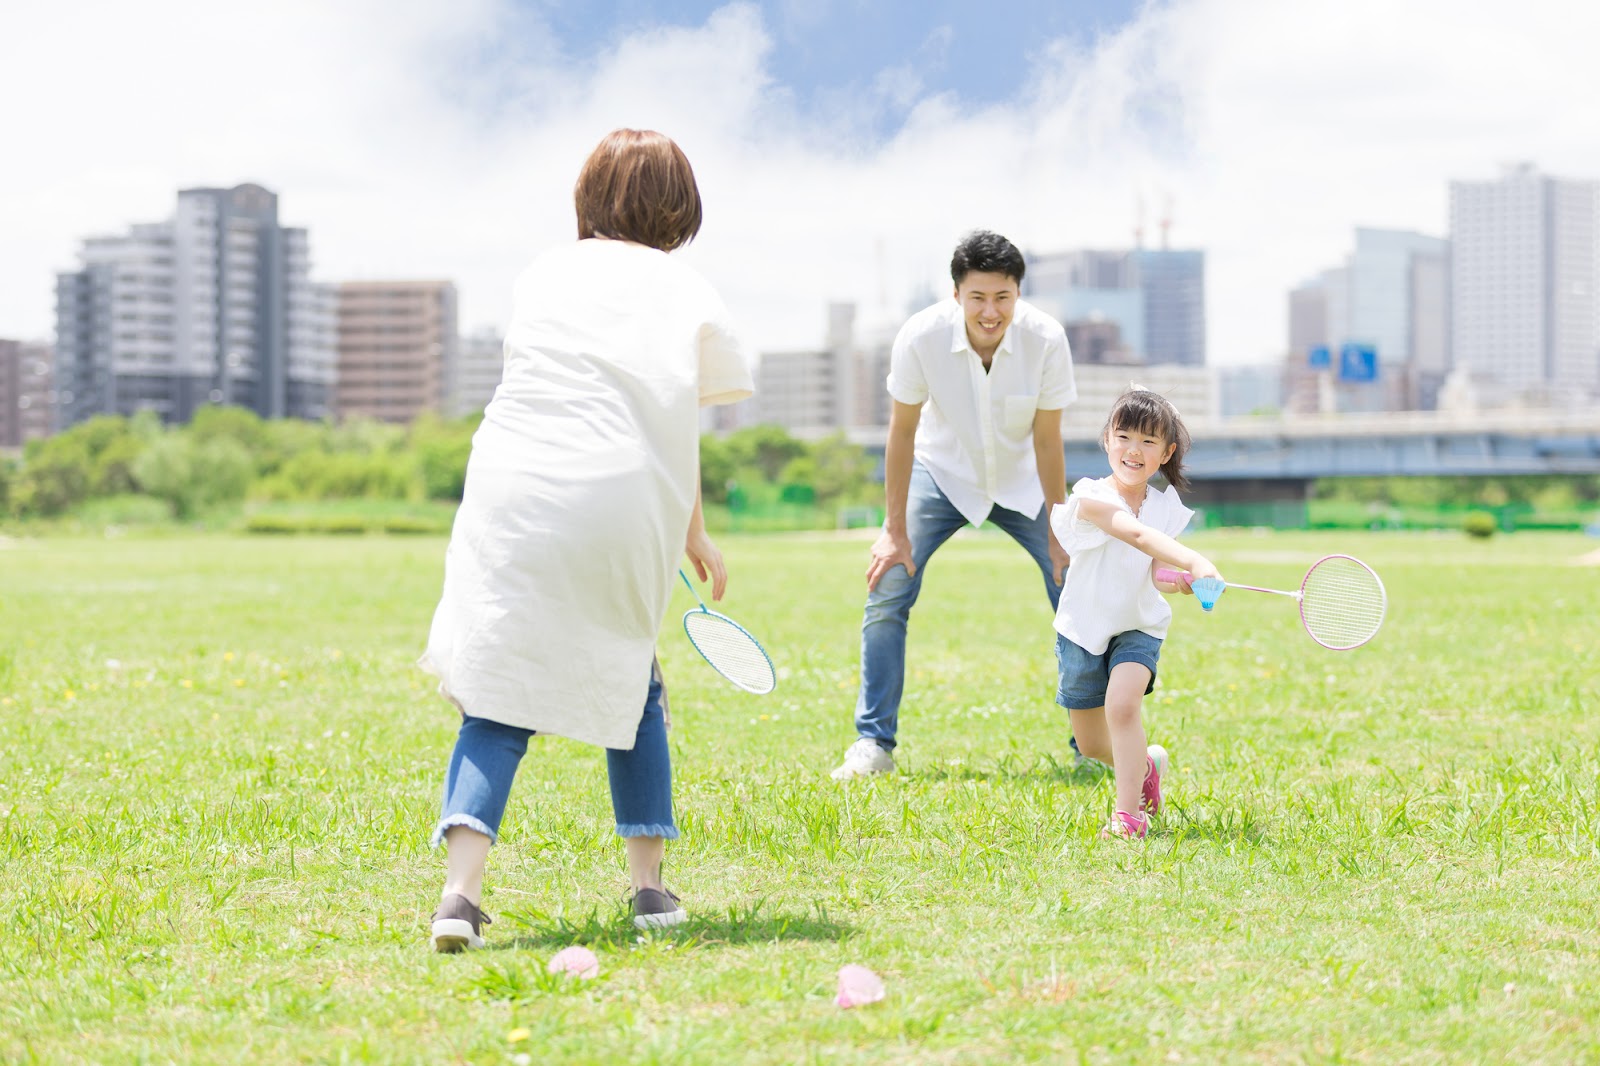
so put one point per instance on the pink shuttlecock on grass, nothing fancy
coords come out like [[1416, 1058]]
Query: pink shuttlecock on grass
[[577, 962], [858, 986]]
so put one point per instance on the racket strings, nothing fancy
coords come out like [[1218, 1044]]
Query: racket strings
[[730, 650], [1342, 603]]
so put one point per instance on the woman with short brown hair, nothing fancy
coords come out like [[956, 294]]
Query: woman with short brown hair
[[582, 491], [638, 186]]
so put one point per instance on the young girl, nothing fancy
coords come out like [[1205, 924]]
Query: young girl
[[1111, 619], [582, 492]]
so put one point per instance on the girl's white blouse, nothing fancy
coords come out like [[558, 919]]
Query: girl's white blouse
[[1108, 589], [579, 490]]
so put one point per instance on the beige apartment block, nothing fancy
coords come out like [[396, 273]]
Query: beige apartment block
[[26, 396], [397, 343]]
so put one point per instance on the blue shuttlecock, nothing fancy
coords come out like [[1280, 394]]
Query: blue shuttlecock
[[1208, 590]]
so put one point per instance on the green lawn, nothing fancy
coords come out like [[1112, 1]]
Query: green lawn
[[218, 771]]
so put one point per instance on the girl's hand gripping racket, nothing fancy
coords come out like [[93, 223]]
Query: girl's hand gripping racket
[[728, 646], [1342, 601]]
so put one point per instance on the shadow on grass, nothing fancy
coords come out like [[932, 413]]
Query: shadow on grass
[[615, 930], [1011, 769]]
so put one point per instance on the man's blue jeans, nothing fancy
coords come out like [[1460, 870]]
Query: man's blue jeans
[[484, 763], [931, 519]]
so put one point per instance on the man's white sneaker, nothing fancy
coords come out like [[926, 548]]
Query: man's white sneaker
[[864, 759]]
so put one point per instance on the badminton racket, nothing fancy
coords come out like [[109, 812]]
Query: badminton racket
[[1342, 600], [728, 646]]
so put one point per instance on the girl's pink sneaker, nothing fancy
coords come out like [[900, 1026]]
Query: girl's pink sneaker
[[1126, 825], [1156, 760]]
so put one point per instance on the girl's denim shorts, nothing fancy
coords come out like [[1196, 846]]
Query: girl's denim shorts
[[1084, 676]]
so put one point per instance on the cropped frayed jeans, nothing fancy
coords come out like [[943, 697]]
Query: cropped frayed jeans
[[931, 519], [484, 763]]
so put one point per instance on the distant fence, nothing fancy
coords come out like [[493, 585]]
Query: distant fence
[[1345, 514], [1314, 514]]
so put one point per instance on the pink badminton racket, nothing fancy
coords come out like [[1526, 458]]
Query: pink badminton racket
[[1342, 600]]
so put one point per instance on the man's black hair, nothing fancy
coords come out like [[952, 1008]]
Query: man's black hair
[[984, 252]]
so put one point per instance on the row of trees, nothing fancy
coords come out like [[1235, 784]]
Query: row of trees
[[228, 455], [761, 464]]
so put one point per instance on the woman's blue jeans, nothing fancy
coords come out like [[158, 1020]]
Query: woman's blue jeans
[[484, 763]]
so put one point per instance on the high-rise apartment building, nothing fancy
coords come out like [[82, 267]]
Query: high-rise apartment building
[[1308, 317], [214, 305], [1385, 275], [397, 344], [1174, 285], [1090, 286], [836, 386], [870, 395], [1429, 337], [804, 390], [1389, 296], [1524, 265], [480, 362], [1155, 297], [26, 395]]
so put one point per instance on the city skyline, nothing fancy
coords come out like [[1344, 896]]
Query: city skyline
[[213, 304], [1270, 132], [143, 315]]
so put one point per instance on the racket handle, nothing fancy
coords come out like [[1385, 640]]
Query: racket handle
[[1207, 590]]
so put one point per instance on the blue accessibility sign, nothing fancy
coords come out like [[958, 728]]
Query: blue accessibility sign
[[1358, 362]]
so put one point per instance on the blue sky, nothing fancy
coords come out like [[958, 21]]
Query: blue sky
[[981, 52], [842, 146]]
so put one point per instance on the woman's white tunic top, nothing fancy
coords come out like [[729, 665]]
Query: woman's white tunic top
[[1108, 589], [579, 490]]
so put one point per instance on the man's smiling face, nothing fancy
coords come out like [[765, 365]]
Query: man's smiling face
[[987, 301]]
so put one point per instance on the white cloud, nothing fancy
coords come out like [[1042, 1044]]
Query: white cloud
[[426, 139]]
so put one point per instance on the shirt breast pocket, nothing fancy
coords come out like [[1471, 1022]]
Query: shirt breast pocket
[[1018, 415]]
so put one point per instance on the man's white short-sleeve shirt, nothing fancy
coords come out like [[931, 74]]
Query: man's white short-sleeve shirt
[[975, 435]]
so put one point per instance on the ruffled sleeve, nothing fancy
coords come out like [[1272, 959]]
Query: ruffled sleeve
[[1075, 533], [1174, 515], [724, 368]]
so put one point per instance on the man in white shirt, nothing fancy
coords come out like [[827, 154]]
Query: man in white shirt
[[978, 384]]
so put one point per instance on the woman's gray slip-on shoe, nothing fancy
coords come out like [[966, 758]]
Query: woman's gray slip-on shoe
[[456, 924], [656, 908]]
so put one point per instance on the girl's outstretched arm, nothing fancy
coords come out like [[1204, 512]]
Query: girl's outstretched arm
[[1169, 587], [1154, 543]]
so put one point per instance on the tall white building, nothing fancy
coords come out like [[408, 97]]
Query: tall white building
[[1524, 311], [1383, 274], [1390, 295], [837, 386], [215, 305], [475, 373]]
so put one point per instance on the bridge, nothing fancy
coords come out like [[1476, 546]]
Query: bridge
[[1242, 460]]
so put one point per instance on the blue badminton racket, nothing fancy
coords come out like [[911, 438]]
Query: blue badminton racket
[[728, 646]]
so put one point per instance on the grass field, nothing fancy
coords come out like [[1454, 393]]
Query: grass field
[[218, 771]]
